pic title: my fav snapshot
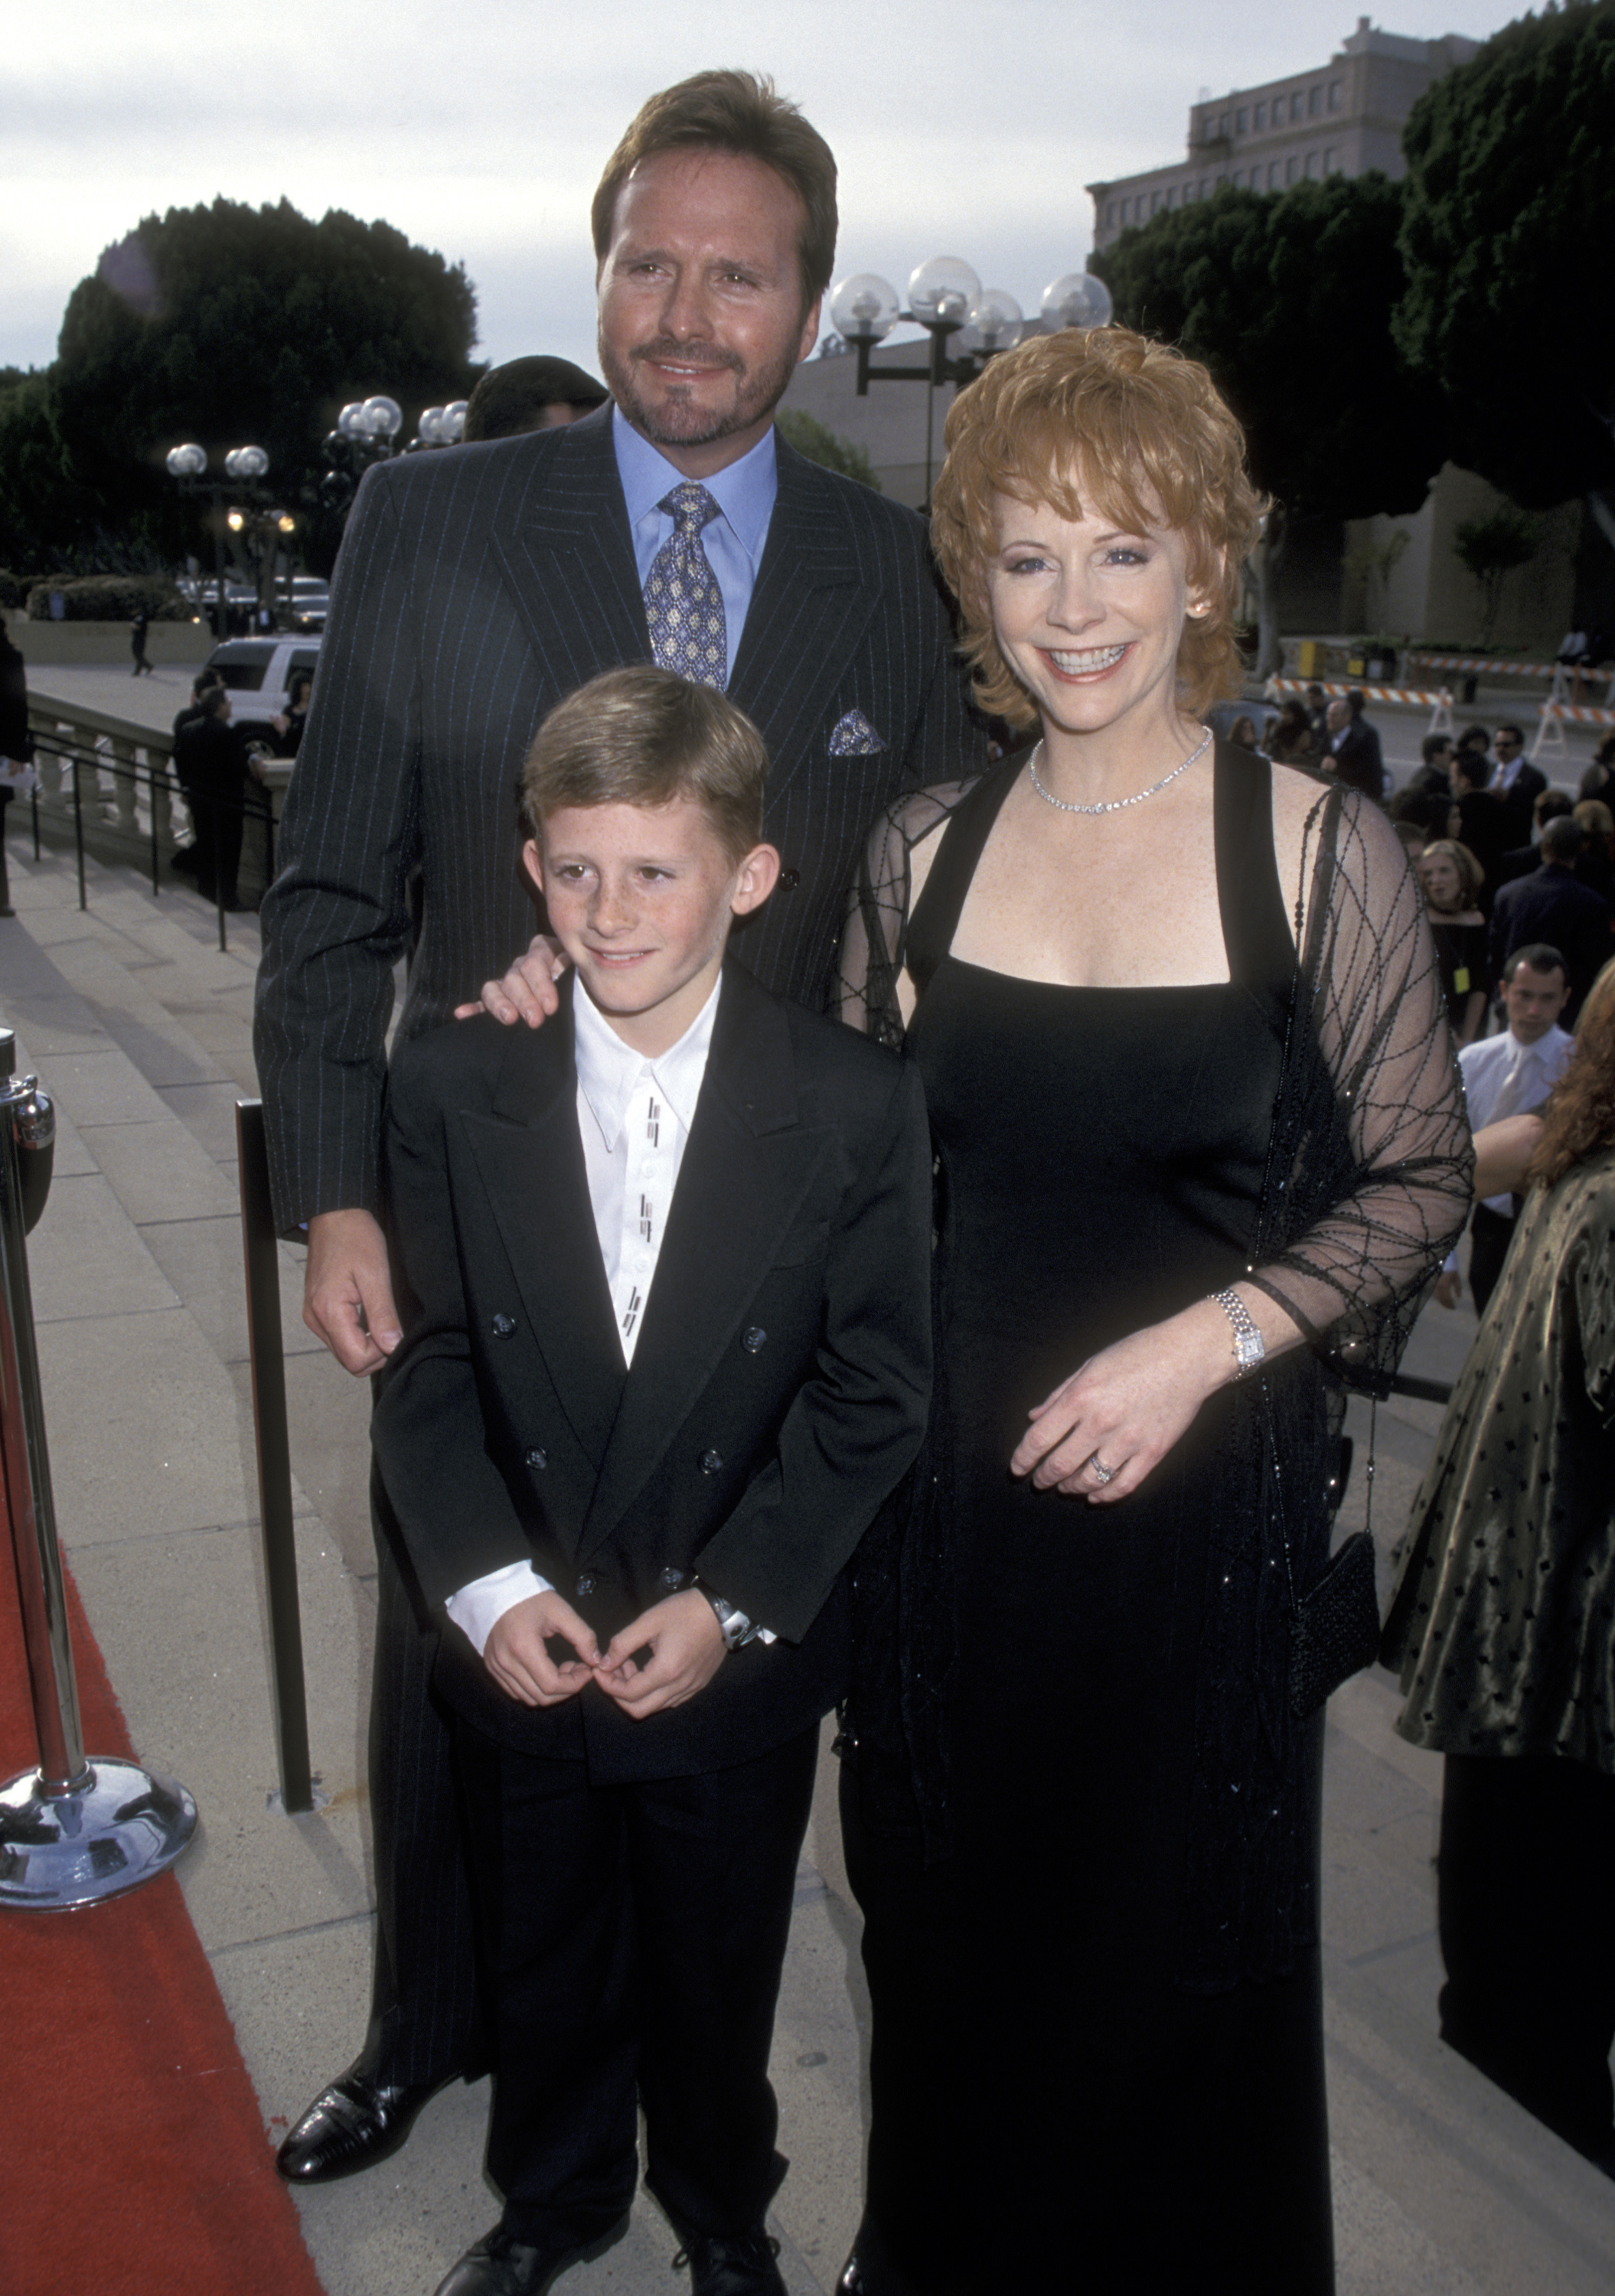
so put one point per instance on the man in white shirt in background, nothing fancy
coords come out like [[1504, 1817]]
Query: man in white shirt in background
[[1510, 1075]]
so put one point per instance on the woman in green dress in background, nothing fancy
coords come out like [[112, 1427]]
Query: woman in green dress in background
[[1504, 1627]]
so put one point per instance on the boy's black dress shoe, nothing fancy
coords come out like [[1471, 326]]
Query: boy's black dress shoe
[[350, 2126], [498, 2265], [731, 2267]]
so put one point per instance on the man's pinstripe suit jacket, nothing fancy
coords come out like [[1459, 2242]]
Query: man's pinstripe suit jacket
[[475, 589]]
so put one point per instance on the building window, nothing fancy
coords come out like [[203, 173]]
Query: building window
[[1335, 94], [1221, 181], [1222, 126], [1292, 168], [1314, 101], [1154, 201], [1295, 104], [1171, 196], [1272, 174], [1332, 161], [1110, 216], [1242, 122], [1261, 118], [1313, 167]]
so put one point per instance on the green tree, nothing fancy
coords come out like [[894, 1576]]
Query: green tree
[[1509, 219], [48, 524], [1287, 299], [1490, 547], [821, 445], [230, 324]]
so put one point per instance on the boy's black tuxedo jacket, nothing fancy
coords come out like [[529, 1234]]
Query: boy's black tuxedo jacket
[[778, 1389]]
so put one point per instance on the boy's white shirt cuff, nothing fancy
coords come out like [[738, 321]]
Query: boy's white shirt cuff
[[478, 1608]]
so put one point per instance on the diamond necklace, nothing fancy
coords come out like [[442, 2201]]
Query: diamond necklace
[[1117, 804]]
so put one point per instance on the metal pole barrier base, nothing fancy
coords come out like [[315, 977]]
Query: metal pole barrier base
[[116, 1827]]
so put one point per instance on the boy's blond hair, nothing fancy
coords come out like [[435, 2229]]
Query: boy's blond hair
[[643, 736]]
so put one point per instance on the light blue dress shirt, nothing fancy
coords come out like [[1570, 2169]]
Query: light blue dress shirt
[[744, 494]]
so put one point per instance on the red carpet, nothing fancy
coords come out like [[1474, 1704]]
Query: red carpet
[[133, 2158]]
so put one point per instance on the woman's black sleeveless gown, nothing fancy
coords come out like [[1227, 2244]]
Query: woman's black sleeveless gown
[[1051, 2110]]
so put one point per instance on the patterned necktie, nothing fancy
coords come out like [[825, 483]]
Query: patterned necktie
[[684, 606]]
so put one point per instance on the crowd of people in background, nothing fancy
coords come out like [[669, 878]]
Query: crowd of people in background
[[1505, 861]]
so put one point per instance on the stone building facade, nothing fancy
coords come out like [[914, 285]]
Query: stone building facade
[[1342, 118]]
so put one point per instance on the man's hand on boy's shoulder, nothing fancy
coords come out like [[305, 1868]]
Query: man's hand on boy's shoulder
[[686, 1647], [527, 991], [516, 1656]]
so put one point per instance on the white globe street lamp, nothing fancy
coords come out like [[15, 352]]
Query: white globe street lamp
[[948, 300]]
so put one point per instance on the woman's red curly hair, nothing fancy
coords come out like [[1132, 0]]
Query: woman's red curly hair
[[1131, 429]]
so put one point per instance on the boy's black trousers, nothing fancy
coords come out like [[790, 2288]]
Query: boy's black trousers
[[632, 1939]]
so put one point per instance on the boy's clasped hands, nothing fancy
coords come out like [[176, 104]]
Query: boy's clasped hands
[[663, 1658]]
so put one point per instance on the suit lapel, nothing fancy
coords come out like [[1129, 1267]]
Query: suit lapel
[[529, 1157], [569, 561], [747, 1167], [808, 612]]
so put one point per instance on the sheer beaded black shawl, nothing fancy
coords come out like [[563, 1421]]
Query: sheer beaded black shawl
[[1367, 1188]]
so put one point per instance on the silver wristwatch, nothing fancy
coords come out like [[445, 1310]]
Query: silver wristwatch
[[735, 1628], [1248, 1346]]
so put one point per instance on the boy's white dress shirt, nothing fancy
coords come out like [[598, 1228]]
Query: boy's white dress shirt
[[634, 1116]]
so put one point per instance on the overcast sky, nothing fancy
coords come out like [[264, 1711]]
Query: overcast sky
[[960, 126]]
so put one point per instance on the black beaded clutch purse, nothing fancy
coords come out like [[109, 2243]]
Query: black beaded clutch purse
[[1334, 1630]]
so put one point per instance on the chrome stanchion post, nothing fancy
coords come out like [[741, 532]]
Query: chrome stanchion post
[[77, 1829]]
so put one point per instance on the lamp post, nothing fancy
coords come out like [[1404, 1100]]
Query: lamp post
[[439, 426], [244, 469], [265, 530], [365, 432], [948, 300]]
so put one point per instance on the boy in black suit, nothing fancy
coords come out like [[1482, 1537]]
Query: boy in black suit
[[648, 1396]]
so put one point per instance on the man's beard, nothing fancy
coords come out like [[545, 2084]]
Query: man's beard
[[678, 421]]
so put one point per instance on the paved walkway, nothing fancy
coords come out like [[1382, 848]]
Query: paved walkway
[[140, 1028]]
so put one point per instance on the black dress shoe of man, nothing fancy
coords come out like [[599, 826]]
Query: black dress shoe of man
[[733, 2267], [350, 2126], [499, 2265]]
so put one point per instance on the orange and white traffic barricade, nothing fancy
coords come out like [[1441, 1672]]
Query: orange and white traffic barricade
[[1438, 702], [1555, 716]]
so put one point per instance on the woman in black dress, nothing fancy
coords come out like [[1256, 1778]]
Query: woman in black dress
[[1196, 1115], [1450, 877]]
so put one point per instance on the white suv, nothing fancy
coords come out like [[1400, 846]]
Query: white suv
[[259, 673]]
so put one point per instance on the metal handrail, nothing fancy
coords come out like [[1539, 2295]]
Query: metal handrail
[[77, 758]]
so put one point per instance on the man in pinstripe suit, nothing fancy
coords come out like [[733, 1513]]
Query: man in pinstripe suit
[[475, 589]]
